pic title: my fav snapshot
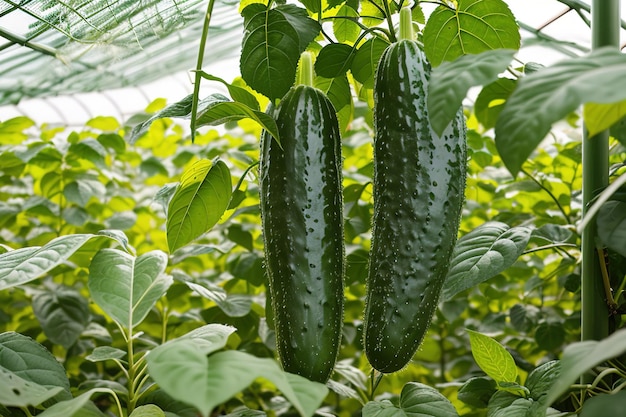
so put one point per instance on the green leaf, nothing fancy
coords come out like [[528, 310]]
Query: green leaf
[[18, 392], [416, 400], [366, 60], [605, 405], [450, 82], [550, 335], [232, 305], [580, 357], [105, 353], [149, 410], [611, 221], [474, 27], [198, 203], [477, 391], [62, 313], [127, 287], [20, 266], [345, 27], [179, 109], [31, 361], [222, 112], [491, 99], [483, 253], [81, 191], [600, 117], [492, 358], [272, 43], [505, 404], [340, 95], [237, 93], [79, 406], [542, 378], [334, 60], [550, 94], [182, 369]]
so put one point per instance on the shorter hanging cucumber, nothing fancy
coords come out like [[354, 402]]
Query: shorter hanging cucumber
[[419, 183], [302, 221]]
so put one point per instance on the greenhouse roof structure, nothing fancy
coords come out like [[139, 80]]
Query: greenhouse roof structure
[[54, 48]]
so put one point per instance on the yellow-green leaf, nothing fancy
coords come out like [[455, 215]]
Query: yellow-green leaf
[[492, 358], [600, 116], [198, 203]]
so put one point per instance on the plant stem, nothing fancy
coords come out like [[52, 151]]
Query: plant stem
[[305, 75], [605, 24], [198, 74], [552, 196]]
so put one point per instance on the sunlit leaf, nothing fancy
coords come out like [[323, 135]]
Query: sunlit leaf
[[24, 265], [127, 287], [492, 358], [198, 203], [345, 27], [599, 117], [237, 93], [473, 27], [179, 109], [220, 113], [272, 44], [550, 94], [483, 253], [450, 82]]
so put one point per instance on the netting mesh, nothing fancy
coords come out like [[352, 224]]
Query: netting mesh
[[59, 47]]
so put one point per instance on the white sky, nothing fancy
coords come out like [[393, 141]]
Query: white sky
[[75, 110]]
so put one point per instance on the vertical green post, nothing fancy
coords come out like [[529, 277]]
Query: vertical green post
[[605, 24]]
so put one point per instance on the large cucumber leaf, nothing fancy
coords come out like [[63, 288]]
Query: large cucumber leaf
[[198, 203], [450, 82], [127, 287], [483, 253], [551, 93], [32, 362], [19, 392], [580, 357], [20, 266], [62, 313], [473, 27], [183, 370], [416, 400], [272, 43]]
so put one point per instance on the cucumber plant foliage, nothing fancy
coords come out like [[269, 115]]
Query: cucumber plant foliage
[[148, 320]]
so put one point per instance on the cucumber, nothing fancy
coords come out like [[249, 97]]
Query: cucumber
[[418, 190], [302, 222]]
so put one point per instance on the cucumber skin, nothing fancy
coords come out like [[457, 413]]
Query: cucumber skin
[[302, 221], [419, 184]]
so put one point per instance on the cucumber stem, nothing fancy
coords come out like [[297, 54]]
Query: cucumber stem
[[406, 24], [305, 74]]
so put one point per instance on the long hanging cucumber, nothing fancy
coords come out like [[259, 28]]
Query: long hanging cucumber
[[302, 221], [419, 183]]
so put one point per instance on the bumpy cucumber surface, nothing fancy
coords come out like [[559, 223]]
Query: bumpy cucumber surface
[[419, 183], [302, 220]]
